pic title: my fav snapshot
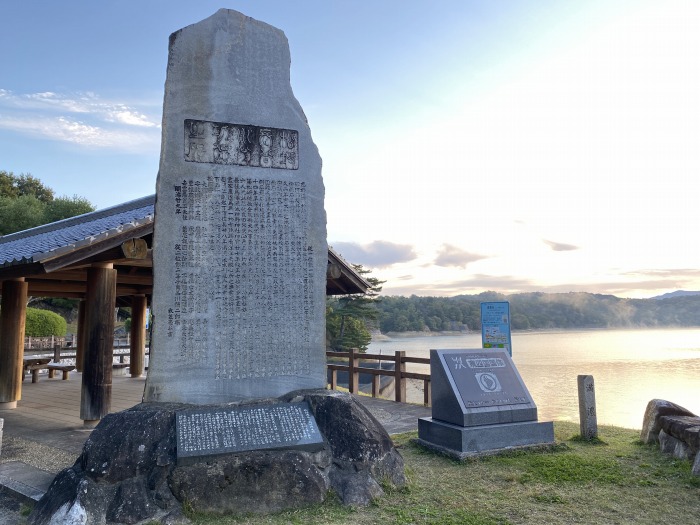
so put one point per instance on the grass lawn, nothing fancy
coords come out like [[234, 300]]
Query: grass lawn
[[616, 480]]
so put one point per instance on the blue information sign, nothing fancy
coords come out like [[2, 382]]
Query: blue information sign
[[495, 325]]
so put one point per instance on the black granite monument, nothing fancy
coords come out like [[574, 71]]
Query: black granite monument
[[480, 405]]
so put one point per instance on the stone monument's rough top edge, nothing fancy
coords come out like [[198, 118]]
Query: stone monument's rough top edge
[[240, 64], [227, 15]]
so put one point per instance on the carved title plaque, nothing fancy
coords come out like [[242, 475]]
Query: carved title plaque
[[485, 379], [241, 145], [210, 432]]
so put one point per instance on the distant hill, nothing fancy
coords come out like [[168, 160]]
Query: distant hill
[[677, 293], [539, 311]]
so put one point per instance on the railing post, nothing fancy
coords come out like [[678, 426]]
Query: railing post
[[334, 379], [399, 379], [376, 385], [57, 354], [353, 375], [427, 393]]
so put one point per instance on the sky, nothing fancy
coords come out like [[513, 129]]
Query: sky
[[467, 146]]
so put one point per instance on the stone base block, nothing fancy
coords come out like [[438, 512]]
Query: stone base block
[[463, 442], [128, 472]]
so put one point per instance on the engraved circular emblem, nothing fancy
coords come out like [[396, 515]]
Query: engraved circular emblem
[[488, 382]]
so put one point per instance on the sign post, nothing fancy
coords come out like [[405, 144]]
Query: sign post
[[495, 326]]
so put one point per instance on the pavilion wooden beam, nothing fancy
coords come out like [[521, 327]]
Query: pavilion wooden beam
[[98, 252], [135, 249], [12, 322], [137, 351], [125, 276], [96, 394], [82, 336], [74, 289]]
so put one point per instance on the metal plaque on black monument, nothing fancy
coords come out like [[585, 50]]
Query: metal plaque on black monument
[[203, 432]]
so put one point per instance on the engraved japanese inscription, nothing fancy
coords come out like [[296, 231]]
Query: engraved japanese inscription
[[241, 145], [485, 380], [208, 432], [255, 231]]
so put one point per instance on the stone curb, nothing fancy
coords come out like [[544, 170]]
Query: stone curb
[[24, 481]]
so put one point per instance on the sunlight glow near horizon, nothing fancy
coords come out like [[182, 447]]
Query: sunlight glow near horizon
[[593, 145], [515, 146]]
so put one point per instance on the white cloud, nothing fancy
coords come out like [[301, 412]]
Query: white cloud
[[80, 118], [377, 254], [449, 255], [560, 246], [130, 117], [76, 132]]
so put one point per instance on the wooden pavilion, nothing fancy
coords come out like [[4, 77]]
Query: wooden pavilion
[[104, 259]]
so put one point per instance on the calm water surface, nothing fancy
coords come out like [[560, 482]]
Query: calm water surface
[[630, 367]]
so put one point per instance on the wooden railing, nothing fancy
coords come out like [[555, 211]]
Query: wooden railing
[[38, 343], [399, 373], [64, 348], [59, 352]]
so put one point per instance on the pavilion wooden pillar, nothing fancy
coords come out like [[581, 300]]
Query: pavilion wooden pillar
[[12, 321], [80, 347], [137, 351], [100, 300]]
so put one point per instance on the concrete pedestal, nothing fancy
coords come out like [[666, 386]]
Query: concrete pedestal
[[462, 442]]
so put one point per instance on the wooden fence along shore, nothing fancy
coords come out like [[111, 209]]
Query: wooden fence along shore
[[64, 348], [399, 373]]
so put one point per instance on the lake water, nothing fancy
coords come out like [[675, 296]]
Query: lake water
[[630, 367]]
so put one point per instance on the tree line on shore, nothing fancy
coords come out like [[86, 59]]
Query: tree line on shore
[[536, 311], [26, 202]]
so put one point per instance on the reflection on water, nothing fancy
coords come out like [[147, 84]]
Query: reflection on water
[[630, 367]]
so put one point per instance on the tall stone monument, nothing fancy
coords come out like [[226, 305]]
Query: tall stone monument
[[240, 248], [240, 261]]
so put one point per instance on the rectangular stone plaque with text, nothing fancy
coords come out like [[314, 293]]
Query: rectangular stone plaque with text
[[484, 379], [210, 432], [481, 386], [226, 143]]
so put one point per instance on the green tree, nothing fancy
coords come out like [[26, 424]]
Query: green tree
[[350, 318], [65, 207], [25, 203], [20, 213], [14, 186]]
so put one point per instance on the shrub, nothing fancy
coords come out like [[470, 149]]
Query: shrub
[[42, 323]]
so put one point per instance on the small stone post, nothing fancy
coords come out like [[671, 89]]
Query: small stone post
[[586, 407]]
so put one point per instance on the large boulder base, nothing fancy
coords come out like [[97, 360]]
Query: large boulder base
[[128, 472]]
